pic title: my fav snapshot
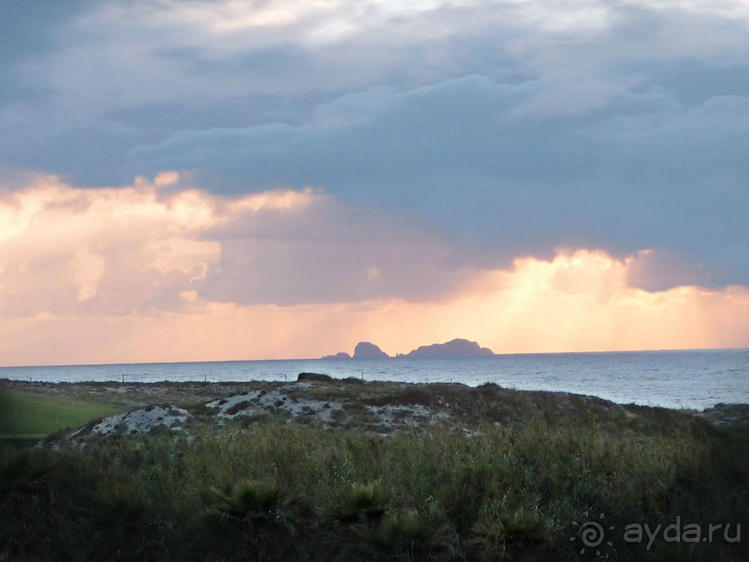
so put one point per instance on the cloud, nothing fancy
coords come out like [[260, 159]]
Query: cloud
[[476, 131], [88, 269], [66, 250], [509, 169], [85, 85], [155, 246]]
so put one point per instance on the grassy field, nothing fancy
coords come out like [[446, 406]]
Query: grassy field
[[32, 416]]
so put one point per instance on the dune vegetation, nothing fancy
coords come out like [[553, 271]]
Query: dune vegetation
[[469, 487]]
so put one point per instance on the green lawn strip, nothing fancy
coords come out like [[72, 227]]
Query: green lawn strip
[[27, 415]]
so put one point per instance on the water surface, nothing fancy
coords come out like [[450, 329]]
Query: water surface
[[676, 379]]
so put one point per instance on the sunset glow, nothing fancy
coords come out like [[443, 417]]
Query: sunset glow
[[136, 274]]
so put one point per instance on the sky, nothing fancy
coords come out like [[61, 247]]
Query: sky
[[195, 180]]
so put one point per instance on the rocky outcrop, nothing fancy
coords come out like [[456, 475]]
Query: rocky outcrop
[[367, 350], [313, 377]]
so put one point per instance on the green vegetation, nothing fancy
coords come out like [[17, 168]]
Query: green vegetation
[[283, 491], [26, 416]]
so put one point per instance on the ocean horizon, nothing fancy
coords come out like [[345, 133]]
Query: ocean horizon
[[694, 378]]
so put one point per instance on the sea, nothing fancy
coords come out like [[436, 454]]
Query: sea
[[693, 379]]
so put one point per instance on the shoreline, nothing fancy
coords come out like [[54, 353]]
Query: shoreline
[[99, 387]]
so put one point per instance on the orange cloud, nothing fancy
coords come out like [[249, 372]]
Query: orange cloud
[[135, 274], [65, 250]]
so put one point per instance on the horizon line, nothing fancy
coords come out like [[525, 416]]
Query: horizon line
[[398, 356]]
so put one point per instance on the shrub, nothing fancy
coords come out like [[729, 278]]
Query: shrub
[[523, 526], [359, 502], [251, 499]]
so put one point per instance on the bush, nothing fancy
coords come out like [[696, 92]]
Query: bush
[[251, 499], [359, 502]]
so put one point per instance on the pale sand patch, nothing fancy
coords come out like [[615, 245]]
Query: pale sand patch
[[141, 420], [278, 401], [287, 401]]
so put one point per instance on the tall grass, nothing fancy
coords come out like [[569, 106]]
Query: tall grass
[[284, 491]]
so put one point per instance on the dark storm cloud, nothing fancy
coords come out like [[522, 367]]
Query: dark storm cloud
[[513, 128], [27, 30], [486, 162]]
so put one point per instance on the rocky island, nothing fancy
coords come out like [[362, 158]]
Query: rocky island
[[367, 350], [339, 355], [457, 347], [454, 348]]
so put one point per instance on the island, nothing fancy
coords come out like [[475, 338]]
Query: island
[[363, 350], [367, 350], [339, 355], [454, 348]]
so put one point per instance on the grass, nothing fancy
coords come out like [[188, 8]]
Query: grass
[[33, 416], [276, 491]]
